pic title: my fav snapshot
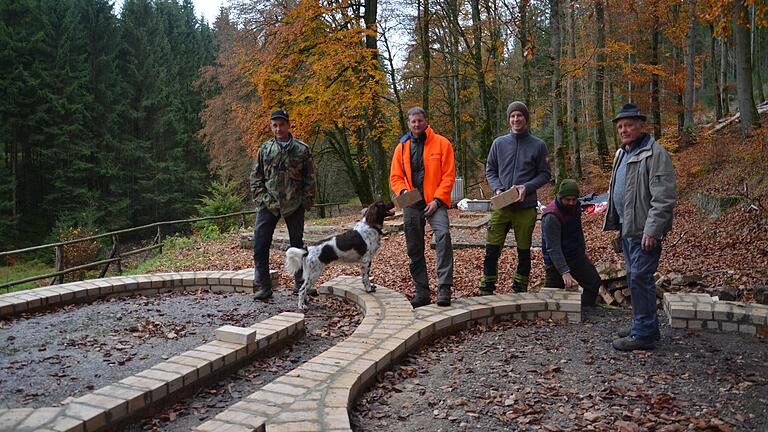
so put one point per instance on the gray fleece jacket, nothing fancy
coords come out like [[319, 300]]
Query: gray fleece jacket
[[518, 159]]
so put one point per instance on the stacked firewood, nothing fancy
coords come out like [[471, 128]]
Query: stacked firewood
[[615, 292]]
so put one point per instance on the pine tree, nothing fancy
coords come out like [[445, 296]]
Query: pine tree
[[107, 111], [68, 147]]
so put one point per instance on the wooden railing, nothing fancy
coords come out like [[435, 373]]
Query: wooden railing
[[115, 256]]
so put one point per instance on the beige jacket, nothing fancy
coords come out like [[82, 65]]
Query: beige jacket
[[650, 193]]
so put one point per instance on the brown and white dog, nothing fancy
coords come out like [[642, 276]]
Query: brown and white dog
[[356, 245]]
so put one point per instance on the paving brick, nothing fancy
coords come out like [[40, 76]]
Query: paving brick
[[256, 408], [93, 417], [135, 398], [216, 361], [271, 397], [748, 329], [712, 325], [241, 418], [528, 305], [187, 372], [678, 323], [157, 388], [296, 416], [695, 324], [175, 380], [220, 426], [729, 326], [304, 426], [40, 419], [116, 408], [682, 310], [278, 387]]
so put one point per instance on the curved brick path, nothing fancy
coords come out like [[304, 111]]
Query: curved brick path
[[316, 395]]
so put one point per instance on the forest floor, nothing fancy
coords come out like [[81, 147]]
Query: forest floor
[[513, 376]]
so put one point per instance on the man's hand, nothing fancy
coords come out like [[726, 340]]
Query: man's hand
[[431, 208], [520, 192], [648, 243], [570, 282]]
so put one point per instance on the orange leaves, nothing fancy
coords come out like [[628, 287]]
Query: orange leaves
[[315, 64]]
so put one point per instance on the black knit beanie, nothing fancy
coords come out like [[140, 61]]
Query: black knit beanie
[[519, 106]]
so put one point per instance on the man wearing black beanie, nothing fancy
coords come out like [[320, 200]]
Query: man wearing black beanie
[[516, 160]]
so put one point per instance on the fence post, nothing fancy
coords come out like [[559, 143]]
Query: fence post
[[159, 239], [59, 264], [111, 255]]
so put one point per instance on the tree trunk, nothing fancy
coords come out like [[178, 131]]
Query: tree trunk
[[395, 88], [690, 68], [573, 115], [724, 77], [380, 176], [602, 144], [526, 75], [756, 51], [749, 116], [425, 52], [477, 60], [655, 84], [557, 118], [715, 79]]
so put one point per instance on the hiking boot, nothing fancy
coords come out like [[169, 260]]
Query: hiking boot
[[626, 331], [421, 298], [419, 302], [444, 295], [632, 343], [263, 293]]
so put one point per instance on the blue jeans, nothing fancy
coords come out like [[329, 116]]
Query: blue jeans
[[262, 240], [641, 266]]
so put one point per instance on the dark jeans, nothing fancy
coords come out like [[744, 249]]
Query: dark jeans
[[641, 266], [262, 240], [585, 274]]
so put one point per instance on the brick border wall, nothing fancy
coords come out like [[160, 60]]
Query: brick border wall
[[89, 290], [700, 311], [316, 395], [116, 403]]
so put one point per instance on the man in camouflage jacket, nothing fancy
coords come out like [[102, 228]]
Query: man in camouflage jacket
[[282, 183]]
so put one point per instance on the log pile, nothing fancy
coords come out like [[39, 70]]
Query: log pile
[[615, 292]]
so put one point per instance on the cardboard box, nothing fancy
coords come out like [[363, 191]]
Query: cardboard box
[[504, 199], [408, 199]]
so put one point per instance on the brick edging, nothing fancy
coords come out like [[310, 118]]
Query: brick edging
[[115, 403], [316, 395], [151, 284], [700, 311]]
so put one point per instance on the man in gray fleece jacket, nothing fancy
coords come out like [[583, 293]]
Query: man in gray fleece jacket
[[516, 160]]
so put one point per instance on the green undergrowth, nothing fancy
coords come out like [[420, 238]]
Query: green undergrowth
[[22, 270]]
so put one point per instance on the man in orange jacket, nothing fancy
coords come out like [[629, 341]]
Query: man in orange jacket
[[423, 160]]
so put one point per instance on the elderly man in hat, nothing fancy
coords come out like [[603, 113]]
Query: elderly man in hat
[[641, 199], [282, 184], [516, 160], [562, 242]]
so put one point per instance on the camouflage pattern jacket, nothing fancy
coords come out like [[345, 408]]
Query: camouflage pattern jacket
[[283, 180]]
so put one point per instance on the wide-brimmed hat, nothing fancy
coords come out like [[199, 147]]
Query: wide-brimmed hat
[[629, 111]]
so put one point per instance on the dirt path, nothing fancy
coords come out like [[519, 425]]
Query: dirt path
[[553, 376]]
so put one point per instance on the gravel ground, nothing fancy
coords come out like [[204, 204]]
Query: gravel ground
[[48, 358], [556, 376]]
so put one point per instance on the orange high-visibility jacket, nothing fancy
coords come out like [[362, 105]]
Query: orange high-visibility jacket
[[439, 168]]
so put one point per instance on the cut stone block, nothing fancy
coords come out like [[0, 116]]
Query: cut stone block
[[238, 335]]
